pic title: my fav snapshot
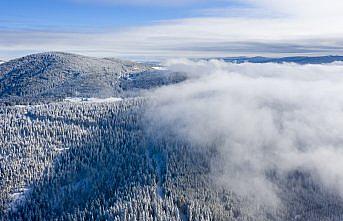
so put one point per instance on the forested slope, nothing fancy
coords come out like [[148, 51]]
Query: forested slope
[[95, 161]]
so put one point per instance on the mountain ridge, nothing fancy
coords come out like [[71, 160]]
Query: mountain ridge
[[52, 76], [292, 59]]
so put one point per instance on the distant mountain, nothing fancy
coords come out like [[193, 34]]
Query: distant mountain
[[297, 60], [55, 76]]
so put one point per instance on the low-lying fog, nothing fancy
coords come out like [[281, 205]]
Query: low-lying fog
[[261, 117]]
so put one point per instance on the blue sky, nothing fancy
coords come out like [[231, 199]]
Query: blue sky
[[95, 15], [161, 28]]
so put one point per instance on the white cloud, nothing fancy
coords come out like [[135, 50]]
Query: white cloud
[[303, 8], [261, 117]]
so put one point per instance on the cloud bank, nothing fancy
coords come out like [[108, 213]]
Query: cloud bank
[[261, 118]]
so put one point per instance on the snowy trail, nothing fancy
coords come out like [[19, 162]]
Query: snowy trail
[[158, 162], [160, 170], [18, 198]]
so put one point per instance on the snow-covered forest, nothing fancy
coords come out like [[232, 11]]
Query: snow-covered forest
[[206, 141], [93, 161], [88, 161]]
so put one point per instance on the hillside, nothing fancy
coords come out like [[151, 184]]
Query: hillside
[[95, 161], [99, 165], [296, 59], [54, 76]]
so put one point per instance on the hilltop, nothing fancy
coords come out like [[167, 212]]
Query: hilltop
[[54, 76]]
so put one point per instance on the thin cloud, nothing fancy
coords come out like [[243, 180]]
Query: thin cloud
[[290, 29]]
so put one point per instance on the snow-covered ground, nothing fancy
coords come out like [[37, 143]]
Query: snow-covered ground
[[61, 149], [160, 68], [18, 197], [92, 99], [28, 106]]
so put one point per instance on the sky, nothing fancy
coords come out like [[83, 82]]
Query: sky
[[152, 29]]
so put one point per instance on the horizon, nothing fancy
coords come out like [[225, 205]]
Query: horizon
[[161, 59], [154, 29]]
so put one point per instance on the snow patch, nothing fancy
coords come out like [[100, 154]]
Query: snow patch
[[61, 149], [92, 99], [160, 68], [28, 106]]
